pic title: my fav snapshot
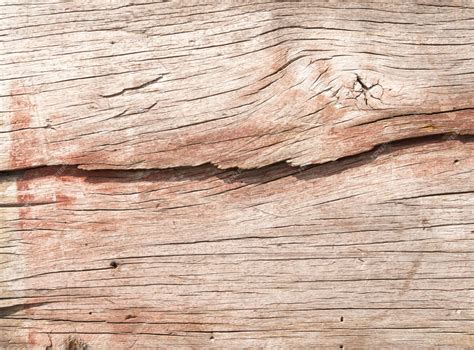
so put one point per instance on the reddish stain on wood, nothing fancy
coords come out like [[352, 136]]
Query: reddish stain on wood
[[34, 231], [23, 141], [24, 197]]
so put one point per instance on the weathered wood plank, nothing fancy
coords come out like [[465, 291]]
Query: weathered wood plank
[[363, 240], [123, 84], [371, 252]]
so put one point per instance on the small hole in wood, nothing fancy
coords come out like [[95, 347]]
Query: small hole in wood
[[456, 161], [211, 338], [113, 264], [341, 346], [112, 42], [90, 312], [342, 319]]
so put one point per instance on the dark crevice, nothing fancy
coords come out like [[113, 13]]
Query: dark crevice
[[141, 86], [359, 80], [13, 309], [205, 171], [27, 204]]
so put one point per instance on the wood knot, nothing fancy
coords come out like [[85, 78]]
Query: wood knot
[[366, 90]]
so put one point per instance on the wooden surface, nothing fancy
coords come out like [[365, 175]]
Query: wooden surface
[[276, 175], [158, 85]]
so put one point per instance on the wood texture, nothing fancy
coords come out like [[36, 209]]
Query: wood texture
[[276, 257], [156, 85], [236, 175]]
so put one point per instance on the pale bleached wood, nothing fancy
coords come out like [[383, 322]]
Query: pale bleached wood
[[372, 251], [128, 84], [369, 252]]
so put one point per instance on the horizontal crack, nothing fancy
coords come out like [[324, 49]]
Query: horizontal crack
[[255, 175], [13, 309], [414, 114], [26, 204], [141, 86]]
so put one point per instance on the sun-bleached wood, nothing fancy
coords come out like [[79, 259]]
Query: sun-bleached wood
[[369, 252], [236, 84], [228, 175]]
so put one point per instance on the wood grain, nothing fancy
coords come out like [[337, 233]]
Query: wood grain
[[236, 175], [366, 252], [236, 84]]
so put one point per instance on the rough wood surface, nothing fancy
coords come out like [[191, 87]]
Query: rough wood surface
[[372, 252], [237, 84], [277, 175]]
